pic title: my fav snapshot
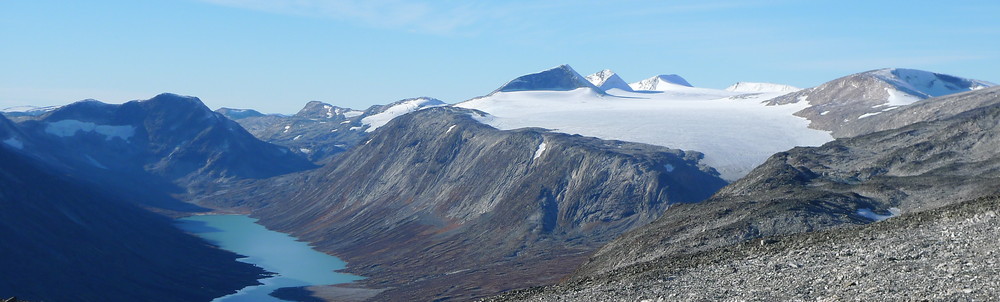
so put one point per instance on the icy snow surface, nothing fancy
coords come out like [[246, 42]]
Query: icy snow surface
[[66, 128], [735, 135], [378, 120], [352, 113]]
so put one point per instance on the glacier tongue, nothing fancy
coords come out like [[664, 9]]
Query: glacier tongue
[[735, 134]]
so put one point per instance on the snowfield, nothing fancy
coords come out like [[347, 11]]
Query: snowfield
[[380, 119], [735, 131]]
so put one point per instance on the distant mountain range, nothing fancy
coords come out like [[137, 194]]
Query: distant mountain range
[[552, 175]]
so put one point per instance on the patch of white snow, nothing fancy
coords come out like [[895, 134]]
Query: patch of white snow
[[14, 142], [66, 128], [94, 162], [899, 98], [868, 213], [539, 151]]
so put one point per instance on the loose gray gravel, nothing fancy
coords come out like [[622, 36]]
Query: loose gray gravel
[[947, 254]]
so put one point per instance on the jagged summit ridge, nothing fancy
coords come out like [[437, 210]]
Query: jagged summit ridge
[[761, 87], [607, 79], [560, 78], [661, 82]]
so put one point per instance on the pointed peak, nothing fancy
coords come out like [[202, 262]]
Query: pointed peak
[[559, 78], [607, 79]]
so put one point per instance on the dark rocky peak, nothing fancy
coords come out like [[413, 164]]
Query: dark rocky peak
[[237, 114], [560, 78]]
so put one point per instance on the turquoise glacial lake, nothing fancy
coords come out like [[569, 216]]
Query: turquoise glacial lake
[[294, 262]]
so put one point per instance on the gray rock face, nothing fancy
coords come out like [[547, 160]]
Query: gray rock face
[[915, 168], [947, 254], [837, 104], [485, 210]]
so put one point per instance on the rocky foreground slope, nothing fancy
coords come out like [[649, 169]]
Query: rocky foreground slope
[[486, 210], [946, 254]]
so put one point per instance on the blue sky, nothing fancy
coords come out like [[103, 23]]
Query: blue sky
[[275, 55]]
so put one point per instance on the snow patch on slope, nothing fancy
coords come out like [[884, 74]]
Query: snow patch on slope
[[66, 128], [380, 119], [539, 151], [14, 143]]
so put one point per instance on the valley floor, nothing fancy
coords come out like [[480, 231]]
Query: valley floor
[[949, 254]]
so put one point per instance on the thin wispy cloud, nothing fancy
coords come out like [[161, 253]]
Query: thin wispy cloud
[[422, 17]]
